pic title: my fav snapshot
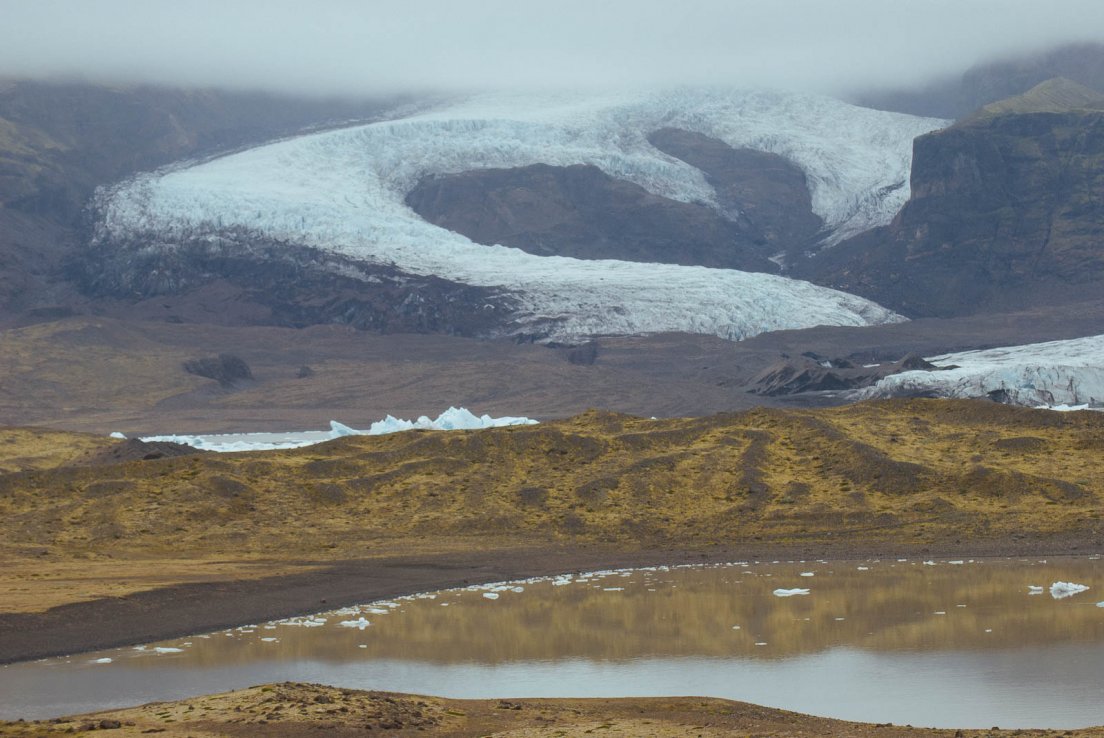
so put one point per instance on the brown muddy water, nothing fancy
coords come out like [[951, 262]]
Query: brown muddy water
[[939, 643]]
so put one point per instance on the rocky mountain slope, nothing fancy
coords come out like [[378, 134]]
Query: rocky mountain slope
[[1005, 212], [58, 142]]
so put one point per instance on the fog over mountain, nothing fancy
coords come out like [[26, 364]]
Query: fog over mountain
[[350, 47]]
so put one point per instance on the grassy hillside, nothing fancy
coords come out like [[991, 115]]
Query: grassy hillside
[[898, 470]]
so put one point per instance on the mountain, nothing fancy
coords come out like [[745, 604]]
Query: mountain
[[989, 82], [1005, 213], [58, 142], [341, 200]]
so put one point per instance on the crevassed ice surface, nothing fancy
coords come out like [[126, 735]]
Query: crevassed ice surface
[[344, 191], [1067, 373]]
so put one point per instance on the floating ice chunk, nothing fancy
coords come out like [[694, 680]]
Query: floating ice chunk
[[737, 627], [862, 568], [613, 589], [960, 562], [359, 623], [118, 435], [491, 595], [167, 649], [808, 574], [1100, 604], [761, 643], [270, 639], [1034, 589], [1061, 590], [940, 612], [790, 592], [929, 563], [104, 660]]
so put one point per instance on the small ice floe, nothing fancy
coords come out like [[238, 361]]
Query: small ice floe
[[737, 627], [104, 660], [808, 573], [940, 612], [613, 589], [167, 649], [378, 611], [518, 590], [118, 436], [790, 592], [444, 604], [1034, 589], [362, 645], [988, 630], [959, 562], [270, 639], [140, 648], [1100, 604], [359, 623], [491, 595], [841, 618], [929, 563], [1061, 590], [862, 568], [314, 622]]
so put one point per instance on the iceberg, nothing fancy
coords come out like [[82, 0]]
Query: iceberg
[[1061, 590], [451, 419], [790, 592]]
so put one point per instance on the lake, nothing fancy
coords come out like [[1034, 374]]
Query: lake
[[936, 643]]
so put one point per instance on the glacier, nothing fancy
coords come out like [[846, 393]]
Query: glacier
[[342, 191], [1055, 374], [452, 419]]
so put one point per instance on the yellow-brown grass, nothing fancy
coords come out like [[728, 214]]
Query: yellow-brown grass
[[903, 472]]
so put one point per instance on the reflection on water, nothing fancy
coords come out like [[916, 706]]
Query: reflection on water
[[969, 644]]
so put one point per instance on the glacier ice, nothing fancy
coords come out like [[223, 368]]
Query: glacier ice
[[1066, 374], [451, 419], [343, 191]]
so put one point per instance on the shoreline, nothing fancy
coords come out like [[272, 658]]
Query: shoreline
[[190, 609]]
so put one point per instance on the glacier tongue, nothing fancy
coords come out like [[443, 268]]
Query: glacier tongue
[[343, 191], [1059, 374]]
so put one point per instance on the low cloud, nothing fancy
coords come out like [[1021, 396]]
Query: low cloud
[[367, 47]]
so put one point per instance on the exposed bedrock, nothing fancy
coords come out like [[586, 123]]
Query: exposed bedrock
[[765, 192], [1007, 211], [582, 212]]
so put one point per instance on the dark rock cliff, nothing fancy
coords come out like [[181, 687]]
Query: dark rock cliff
[[1007, 211]]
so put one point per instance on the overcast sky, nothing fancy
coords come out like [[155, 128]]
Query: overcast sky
[[370, 46]]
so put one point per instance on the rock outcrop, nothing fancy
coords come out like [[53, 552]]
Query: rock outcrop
[[1006, 212]]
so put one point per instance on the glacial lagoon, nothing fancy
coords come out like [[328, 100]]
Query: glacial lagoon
[[1009, 643]]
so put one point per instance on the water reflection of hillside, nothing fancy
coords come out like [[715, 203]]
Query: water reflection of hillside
[[692, 612]]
